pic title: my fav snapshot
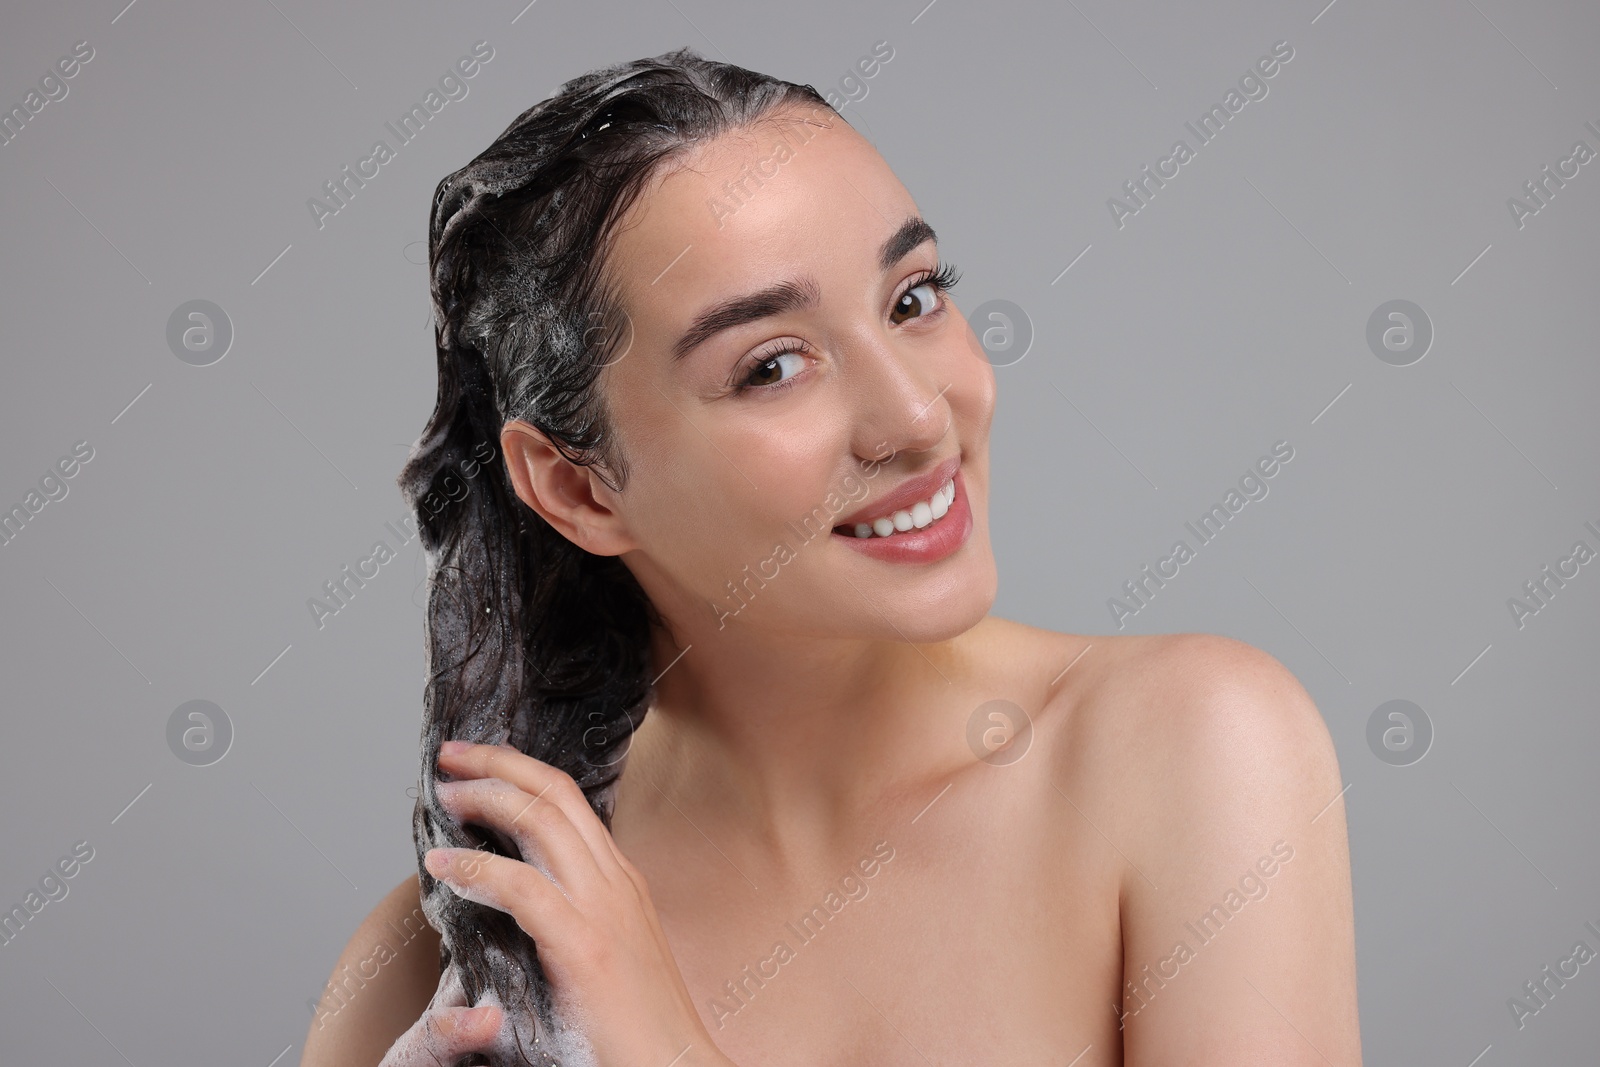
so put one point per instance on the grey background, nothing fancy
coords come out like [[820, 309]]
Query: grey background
[[1228, 314]]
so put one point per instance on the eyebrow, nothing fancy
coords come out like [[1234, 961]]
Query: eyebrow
[[788, 296]]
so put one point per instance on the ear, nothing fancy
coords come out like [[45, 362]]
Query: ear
[[570, 497]]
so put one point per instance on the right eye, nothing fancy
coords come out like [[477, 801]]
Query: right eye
[[770, 370], [775, 368]]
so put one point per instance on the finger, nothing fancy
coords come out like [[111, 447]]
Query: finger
[[464, 760], [463, 1030], [500, 882], [546, 837], [572, 800], [444, 1035]]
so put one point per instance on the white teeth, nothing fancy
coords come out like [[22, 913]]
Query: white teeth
[[922, 513]]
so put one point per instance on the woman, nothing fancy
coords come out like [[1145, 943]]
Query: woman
[[749, 760]]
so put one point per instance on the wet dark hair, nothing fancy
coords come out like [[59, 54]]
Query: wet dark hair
[[533, 641]]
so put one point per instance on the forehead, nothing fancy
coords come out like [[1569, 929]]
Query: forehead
[[756, 206]]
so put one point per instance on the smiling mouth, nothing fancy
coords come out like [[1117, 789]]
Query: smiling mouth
[[922, 514]]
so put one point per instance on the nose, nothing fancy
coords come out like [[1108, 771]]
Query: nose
[[901, 405]]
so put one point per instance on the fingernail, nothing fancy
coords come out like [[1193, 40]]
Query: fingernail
[[453, 748], [437, 860], [479, 1016]]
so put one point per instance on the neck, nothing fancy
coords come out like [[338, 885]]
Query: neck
[[800, 738]]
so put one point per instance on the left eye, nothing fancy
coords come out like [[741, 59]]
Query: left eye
[[918, 300], [770, 371]]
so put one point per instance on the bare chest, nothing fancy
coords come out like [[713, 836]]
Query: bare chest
[[982, 929]]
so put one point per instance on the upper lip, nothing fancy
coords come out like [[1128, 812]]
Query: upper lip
[[906, 493]]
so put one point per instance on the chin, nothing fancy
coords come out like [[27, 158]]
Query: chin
[[950, 606]]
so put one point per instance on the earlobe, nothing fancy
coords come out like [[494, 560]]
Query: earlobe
[[562, 492]]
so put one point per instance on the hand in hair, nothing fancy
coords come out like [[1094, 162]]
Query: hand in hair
[[444, 1035], [586, 907]]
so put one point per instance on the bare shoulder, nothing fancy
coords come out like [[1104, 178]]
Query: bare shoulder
[[1189, 706], [1152, 695], [382, 982], [1209, 772]]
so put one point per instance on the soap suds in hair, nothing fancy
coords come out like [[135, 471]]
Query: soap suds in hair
[[532, 641]]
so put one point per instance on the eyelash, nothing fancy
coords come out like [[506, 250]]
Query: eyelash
[[943, 278]]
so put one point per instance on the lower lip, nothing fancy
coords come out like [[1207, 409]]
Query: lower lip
[[927, 545]]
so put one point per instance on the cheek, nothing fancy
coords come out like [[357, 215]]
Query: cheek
[[708, 506], [973, 388], [786, 551], [710, 485], [987, 392]]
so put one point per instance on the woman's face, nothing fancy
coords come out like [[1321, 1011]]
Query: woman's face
[[810, 408]]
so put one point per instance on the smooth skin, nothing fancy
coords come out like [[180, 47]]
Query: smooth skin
[[1036, 896]]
